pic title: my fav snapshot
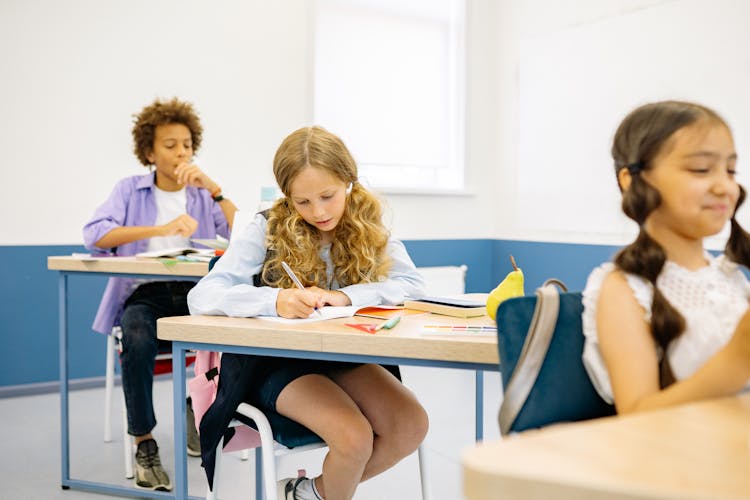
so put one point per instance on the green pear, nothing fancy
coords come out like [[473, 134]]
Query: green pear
[[511, 286]]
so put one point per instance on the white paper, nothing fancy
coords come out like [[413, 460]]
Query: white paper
[[218, 243], [327, 312], [174, 252], [83, 256]]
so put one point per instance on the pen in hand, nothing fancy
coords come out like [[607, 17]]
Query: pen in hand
[[296, 280]]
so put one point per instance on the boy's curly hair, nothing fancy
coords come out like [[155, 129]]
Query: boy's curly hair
[[163, 113]]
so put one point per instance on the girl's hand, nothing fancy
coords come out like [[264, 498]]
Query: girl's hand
[[296, 303], [184, 225], [333, 297], [191, 175]]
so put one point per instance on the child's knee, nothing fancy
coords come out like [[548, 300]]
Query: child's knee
[[138, 335], [354, 439], [413, 427], [421, 423]]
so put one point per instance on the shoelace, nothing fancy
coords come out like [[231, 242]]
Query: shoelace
[[149, 459]]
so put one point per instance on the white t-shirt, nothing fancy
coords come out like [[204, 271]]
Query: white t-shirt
[[169, 206], [711, 299]]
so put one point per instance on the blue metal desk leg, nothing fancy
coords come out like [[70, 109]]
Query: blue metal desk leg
[[62, 294], [479, 405], [180, 458]]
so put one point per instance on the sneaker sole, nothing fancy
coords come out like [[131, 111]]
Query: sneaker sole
[[159, 487]]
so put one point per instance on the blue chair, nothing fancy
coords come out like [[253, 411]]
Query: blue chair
[[562, 390]]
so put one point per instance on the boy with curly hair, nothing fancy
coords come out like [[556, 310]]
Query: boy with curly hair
[[162, 209]]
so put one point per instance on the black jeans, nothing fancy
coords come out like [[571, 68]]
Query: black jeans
[[140, 346]]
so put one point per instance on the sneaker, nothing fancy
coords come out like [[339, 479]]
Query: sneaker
[[298, 488], [149, 474], [193, 439]]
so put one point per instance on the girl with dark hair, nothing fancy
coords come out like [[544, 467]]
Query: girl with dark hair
[[667, 322]]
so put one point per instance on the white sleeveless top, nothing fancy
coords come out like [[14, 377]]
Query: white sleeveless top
[[711, 299]]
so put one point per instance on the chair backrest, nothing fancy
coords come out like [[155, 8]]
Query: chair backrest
[[562, 391], [163, 362]]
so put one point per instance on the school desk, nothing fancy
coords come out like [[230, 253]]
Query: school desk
[[125, 267], [329, 340], [693, 451]]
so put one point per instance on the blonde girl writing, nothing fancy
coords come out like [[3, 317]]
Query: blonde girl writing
[[328, 228]]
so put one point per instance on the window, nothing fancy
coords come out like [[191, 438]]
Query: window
[[389, 81]]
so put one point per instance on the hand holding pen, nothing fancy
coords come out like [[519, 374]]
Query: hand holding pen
[[295, 280]]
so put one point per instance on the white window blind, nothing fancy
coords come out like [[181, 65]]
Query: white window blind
[[389, 81]]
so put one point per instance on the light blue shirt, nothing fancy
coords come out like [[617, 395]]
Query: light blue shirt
[[228, 289]]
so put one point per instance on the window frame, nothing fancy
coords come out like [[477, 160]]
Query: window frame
[[448, 177]]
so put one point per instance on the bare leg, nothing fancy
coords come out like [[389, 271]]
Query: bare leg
[[369, 420], [138, 439], [319, 404], [397, 419]]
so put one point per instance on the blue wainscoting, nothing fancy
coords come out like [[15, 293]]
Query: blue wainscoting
[[477, 255], [28, 297], [570, 263], [28, 318]]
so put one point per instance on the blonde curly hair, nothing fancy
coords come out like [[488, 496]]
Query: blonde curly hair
[[358, 250]]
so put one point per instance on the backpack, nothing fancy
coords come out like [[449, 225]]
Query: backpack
[[203, 388]]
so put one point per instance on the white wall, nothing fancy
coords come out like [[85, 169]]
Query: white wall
[[570, 71], [74, 72]]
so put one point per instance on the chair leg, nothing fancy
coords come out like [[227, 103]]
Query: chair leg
[[259, 482], [109, 382], [127, 443], [267, 451], [213, 494], [423, 474]]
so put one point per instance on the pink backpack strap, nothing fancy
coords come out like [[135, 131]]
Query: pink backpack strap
[[204, 385], [203, 388]]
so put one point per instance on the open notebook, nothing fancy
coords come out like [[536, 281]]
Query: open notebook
[[193, 253], [331, 312]]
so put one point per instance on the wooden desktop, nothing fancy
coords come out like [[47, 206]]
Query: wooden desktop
[[694, 451], [405, 344]]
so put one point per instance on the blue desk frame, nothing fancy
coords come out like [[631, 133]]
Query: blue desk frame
[[66, 481], [179, 348]]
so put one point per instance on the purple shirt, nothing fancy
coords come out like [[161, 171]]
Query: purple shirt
[[132, 203]]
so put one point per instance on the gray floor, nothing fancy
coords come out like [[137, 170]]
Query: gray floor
[[30, 437]]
